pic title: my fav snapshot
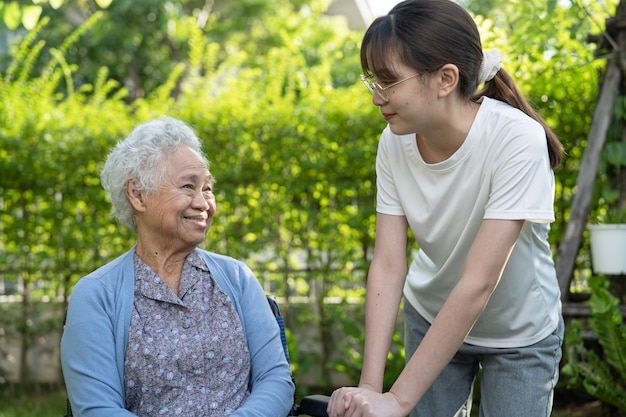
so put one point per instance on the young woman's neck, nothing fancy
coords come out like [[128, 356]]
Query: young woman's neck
[[441, 142]]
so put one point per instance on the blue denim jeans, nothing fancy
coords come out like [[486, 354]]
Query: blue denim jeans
[[516, 382]]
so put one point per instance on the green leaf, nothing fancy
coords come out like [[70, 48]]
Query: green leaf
[[12, 15], [56, 3], [601, 377], [615, 153], [30, 16], [104, 3]]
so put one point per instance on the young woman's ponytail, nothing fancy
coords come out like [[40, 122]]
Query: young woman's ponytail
[[502, 87]]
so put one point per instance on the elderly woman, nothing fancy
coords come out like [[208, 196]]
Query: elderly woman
[[168, 328]]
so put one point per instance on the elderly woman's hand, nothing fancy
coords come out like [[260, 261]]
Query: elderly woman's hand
[[363, 402]]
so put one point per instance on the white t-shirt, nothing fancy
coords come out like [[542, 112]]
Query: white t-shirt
[[502, 171]]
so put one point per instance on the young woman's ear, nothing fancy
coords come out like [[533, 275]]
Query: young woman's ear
[[136, 194], [448, 79]]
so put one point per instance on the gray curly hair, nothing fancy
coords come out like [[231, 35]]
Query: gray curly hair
[[140, 157]]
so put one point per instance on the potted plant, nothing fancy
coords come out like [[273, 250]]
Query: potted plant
[[608, 243], [608, 237]]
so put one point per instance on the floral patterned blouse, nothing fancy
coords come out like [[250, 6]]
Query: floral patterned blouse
[[187, 355]]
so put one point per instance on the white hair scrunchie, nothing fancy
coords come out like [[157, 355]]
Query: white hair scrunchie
[[489, 66]]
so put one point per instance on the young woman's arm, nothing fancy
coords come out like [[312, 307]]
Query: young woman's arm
[[483, 268], [385, 282]]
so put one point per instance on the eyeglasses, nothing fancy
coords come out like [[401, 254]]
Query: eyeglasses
[[374, 87]]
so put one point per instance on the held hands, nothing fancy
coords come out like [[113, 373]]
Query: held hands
[[363, 402]]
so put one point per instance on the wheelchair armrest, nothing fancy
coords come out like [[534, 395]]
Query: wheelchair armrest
[[314, 406]]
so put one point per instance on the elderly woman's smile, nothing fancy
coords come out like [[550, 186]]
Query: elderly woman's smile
[[180, 210]]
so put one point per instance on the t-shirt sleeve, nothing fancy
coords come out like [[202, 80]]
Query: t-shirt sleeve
[[522, 182], [387, 200]]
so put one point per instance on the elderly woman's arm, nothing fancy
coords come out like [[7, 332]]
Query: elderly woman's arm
[[89, 353], [271, 386]]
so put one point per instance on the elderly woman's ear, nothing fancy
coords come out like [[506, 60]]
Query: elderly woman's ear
[[135, 194]]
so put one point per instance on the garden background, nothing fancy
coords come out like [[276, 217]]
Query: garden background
[[272, 88]]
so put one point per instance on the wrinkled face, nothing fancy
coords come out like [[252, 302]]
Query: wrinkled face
[[179, 212]]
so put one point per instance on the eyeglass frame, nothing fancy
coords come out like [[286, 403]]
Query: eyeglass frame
[[374, 87]]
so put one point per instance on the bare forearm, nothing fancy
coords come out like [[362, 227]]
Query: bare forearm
[[457, 316], [443, 340], [385, 282], [381, 313]]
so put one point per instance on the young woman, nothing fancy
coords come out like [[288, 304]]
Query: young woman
[[470, 173]]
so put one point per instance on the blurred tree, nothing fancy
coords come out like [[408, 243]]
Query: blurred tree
[[141, 42], [281, 127], [26, 13], [545, 48], [272, 88]]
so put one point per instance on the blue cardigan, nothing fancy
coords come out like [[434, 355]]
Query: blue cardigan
[[96, 332]]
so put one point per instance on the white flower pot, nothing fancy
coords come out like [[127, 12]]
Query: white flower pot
[[608, 248]]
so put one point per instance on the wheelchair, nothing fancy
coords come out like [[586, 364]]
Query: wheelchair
[[311, 405]]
